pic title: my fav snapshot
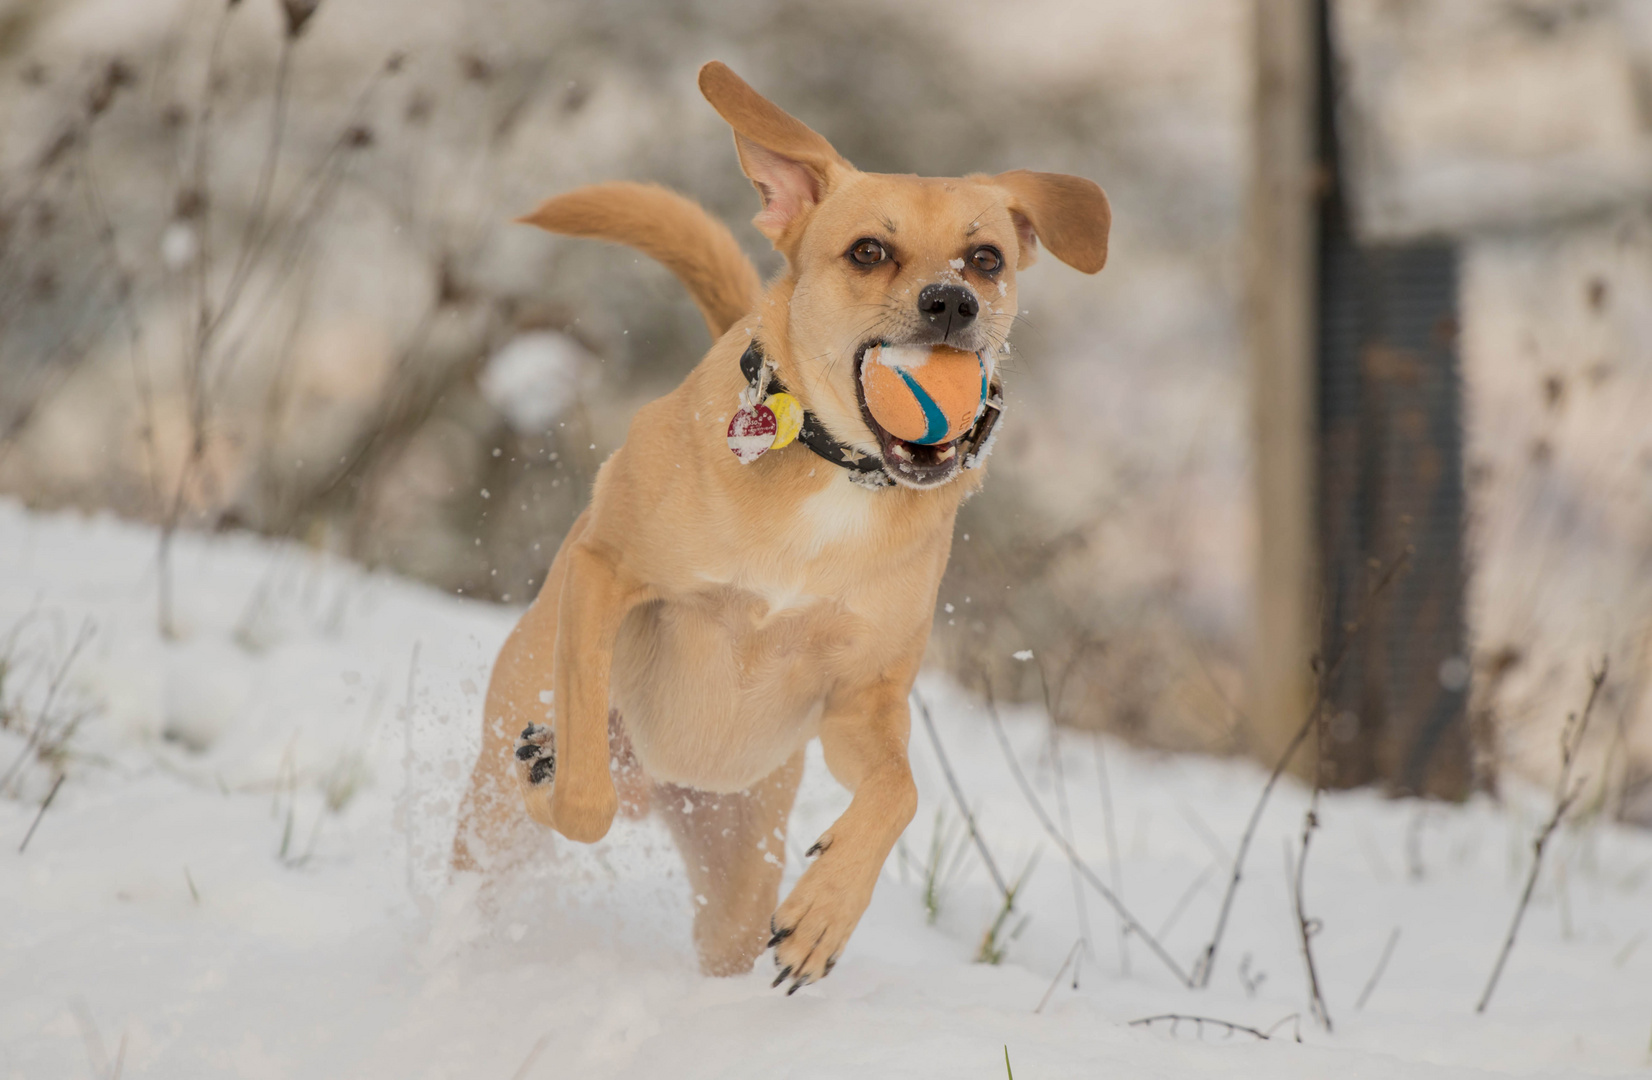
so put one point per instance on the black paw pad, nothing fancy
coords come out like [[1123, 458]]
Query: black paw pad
[[537, 750]]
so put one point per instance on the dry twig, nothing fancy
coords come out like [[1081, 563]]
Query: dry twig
[[1052, 708], [1207, 961], [1108, 823], [1382, 966], [1176, 1020], [958, 795], [1060, 971], [50, 795], [1083, 869], [1565, 794], [1306, 928], [37, 741]]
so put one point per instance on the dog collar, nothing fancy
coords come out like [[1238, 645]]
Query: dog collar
[[757, 420]]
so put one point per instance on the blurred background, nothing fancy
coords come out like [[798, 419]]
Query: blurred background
[[1366, 379]]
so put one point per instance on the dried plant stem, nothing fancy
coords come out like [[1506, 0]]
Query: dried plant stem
[[1060, 971], [1109, 823], [1052, 708], [1176, 1020], [38, 732], [1306, 928], [200, 332], [533, 1057], [1180, 907], [958, 795], [1084, 871], [1207, 961], [1382, 966], [50, 795], [1565, 794], [211, 318], [254, 235], [140, 372]]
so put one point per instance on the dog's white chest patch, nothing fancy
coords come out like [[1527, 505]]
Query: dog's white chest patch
[[839, 512]]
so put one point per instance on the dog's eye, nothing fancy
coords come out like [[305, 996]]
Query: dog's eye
[[987, 260], [868, 252]]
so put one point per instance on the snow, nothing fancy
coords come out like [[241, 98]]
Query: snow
[[243, 876], [908, 357], [534, 378]]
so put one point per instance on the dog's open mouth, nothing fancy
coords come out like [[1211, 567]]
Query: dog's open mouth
[[925, 466]]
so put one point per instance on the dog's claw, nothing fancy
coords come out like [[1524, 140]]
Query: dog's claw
[[780, 978], [796, 986], [779, 936]]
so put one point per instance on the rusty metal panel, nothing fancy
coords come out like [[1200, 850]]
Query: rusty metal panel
[[1391, 475]]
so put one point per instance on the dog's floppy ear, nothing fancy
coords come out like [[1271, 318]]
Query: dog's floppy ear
[[792, 167], [1069, 213]]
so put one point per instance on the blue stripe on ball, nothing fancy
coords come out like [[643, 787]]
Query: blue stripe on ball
[[934, 418]]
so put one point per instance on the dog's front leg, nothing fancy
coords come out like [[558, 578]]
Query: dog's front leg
[[864, 734], [595, 599]]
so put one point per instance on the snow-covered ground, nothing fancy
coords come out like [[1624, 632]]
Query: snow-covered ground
[[242, 876]]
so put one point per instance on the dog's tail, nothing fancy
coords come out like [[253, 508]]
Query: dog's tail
[[670, 228]]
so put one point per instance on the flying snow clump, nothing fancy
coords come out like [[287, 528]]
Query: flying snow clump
[[534, 378]]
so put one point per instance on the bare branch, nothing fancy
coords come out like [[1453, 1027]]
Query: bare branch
[[1306, 928], [1565, 793], [1089, 875], [1071, 953], [50, 795], [1207, 962], [1175, 1020], [1382, 966], [1052, 706], [958, 795]]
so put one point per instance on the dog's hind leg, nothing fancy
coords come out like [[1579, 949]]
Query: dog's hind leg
[[734, 849], [491, 818]]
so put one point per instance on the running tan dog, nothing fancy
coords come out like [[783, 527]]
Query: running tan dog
[[706, 617]]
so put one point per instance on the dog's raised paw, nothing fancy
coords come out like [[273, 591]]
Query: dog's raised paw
[[536, 755]]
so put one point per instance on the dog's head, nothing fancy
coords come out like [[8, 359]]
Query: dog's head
[[902, 260]]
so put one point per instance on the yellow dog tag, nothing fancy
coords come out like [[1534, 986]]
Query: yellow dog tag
[[788, 418]]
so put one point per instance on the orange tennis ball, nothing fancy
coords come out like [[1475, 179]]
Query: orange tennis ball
[[923, 394]]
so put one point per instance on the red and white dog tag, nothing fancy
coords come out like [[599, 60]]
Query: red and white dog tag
[[751, 432]]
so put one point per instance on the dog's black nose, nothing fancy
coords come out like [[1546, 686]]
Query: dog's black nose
[[948, 307]]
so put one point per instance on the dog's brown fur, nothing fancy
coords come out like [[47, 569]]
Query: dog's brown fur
[[730, 612]]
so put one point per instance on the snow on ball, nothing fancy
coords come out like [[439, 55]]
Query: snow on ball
[[923, 394]]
